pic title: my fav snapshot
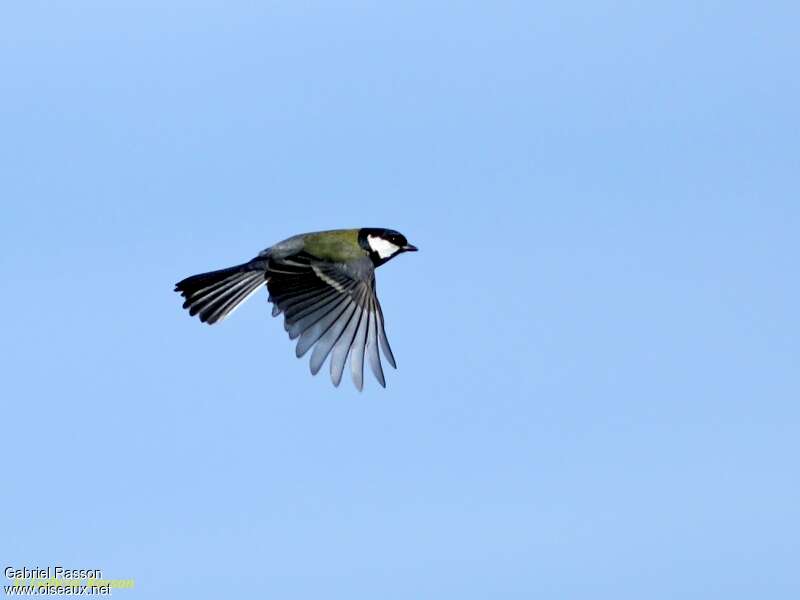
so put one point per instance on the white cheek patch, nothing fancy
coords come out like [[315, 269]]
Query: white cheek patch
[[383, 247]]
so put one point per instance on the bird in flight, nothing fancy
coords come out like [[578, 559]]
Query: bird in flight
[[324, 284]]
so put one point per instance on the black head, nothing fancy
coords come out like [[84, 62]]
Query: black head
[[383, 244]]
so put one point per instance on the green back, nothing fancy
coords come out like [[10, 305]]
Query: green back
[[340, 245]]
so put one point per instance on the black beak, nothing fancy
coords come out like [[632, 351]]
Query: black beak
[[410, 248]]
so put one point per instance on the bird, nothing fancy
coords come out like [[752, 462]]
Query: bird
[[323, 283]]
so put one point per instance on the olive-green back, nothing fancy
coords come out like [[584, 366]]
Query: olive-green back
[[340, 245]]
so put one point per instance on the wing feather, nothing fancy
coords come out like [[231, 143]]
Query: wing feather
[[329, 339], [342, 348], [372, 345], [332, 308], [320, 326], [357, 350], [299, 321], [384, 341]]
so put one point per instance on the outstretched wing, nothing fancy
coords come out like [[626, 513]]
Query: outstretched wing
[[333, 308]]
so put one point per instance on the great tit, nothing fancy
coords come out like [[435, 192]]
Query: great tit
[[323, 283]]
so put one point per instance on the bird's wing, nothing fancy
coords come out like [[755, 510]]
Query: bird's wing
[[334, 308]]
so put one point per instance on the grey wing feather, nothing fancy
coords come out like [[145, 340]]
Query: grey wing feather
[[384, 341], [342, 348], [358, 347], [323, 320], [333, 309], [300, 320], [372, 345], [329, 339]]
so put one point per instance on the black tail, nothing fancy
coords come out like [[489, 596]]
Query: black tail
[[215, 295]]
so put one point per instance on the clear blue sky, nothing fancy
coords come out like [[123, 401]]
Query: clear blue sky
[[598, 343]]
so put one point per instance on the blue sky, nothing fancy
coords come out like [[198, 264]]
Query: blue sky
[[598, 343]]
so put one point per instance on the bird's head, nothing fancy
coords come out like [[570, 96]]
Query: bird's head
[[383, 244]]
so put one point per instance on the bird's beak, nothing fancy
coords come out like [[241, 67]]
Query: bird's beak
[[410, 248]]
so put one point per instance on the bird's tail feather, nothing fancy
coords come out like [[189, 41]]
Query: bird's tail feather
[[215, 295]]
